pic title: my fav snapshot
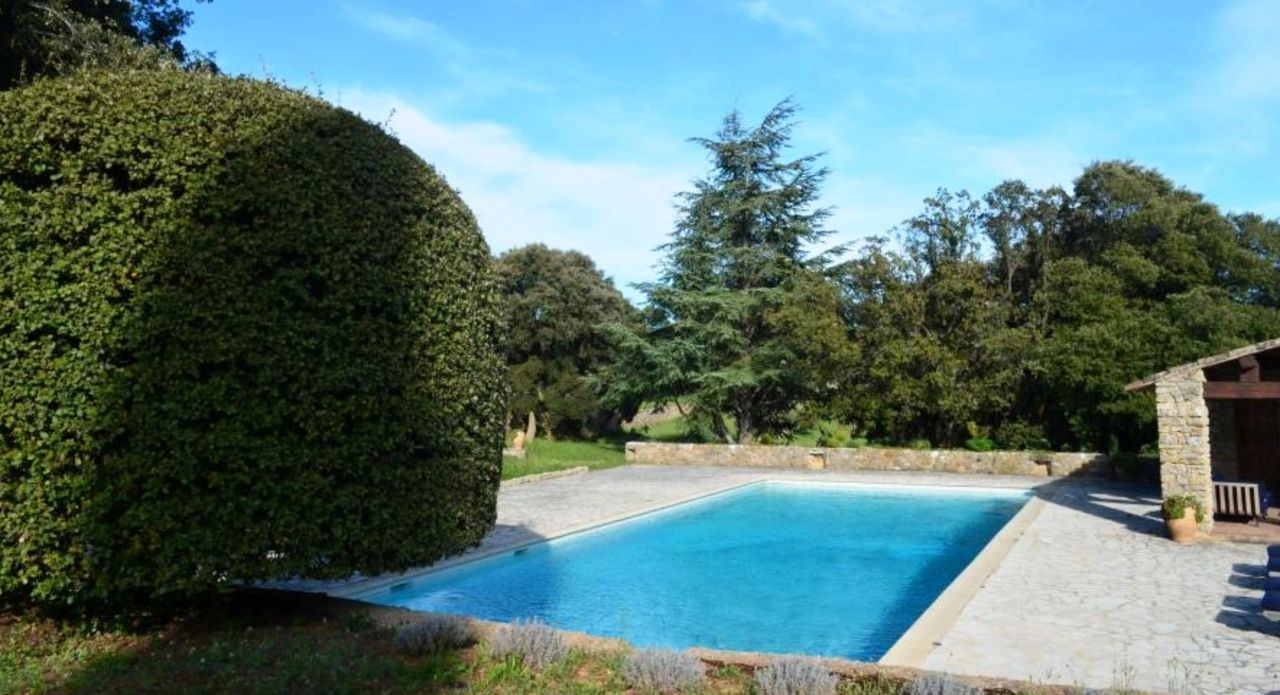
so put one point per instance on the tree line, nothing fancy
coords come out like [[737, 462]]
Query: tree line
[[1011, 318]]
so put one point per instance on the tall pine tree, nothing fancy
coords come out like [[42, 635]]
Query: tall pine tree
[[722, 332]]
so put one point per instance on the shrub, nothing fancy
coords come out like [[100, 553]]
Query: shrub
[[875, 685], [662, 670], [979, 444], [919, 444], [244, 334], [858, 443], [534, 643], [830, 434], [938, 684], [796, 676], [1016, 435], [1176, 506], [434, 633]]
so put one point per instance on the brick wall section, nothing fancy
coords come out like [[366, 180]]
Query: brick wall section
[[870, 459], [1184, 439], [1222, 439]]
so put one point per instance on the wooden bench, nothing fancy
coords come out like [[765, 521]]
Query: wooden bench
[[1239, 499]]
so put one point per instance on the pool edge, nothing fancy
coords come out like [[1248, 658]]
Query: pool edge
[[914, 645], [356, 592], [910, 649]]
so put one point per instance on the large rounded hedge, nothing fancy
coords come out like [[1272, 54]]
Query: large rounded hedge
[[244, 334]]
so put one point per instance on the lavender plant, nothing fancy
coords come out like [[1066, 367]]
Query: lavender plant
[[662, 670]]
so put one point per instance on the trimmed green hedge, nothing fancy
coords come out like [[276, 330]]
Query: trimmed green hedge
[[243, 334]]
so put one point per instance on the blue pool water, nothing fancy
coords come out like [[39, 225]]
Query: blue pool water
[[830, 570]]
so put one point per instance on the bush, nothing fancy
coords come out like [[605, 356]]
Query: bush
[[920, 444], [1015, 435], [434, 633], [535, 644], [244, 335], [796, 676], [1130, 466], [858, 443], [1175, 507], [662, 670], [938, 684], [830, 434], [979, 444]]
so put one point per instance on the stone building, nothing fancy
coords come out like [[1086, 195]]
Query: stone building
[[1219, 419]]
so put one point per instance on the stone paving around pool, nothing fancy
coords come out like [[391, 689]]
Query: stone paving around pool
[[1094, 593], [1091, 593]]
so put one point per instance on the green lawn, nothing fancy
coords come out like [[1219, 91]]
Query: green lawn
[[677, 430], [276, 642], [546, 455]]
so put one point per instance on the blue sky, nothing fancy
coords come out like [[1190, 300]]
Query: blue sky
[[566, 122]]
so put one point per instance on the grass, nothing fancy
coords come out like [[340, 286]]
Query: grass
[[677, 430], [546, 455], [275, 642], [674, 430], [249, 644]]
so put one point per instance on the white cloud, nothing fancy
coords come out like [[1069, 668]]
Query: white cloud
[[1248, 38], [811, 18], [1038, 160], [615, 212], [788, 21], [404, 28], [1231, 98], [478, 72], [904, 15], [867, 206]]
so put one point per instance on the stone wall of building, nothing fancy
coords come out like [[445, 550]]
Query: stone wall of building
[[870, 459], [1222, 439], [1183, 419]]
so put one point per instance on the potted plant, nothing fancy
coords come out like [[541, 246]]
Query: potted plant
[[1183, 514]]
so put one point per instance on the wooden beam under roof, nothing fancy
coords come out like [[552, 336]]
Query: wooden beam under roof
[[1241, 390]]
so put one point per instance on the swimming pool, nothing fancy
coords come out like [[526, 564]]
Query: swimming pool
[[811, 568]]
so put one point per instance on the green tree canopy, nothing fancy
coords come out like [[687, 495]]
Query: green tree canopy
[[728, 325], [555, 304], [55, 37], [1023, 315]]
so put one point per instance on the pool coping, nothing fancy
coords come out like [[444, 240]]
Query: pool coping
[[913, 646], [358, 589]]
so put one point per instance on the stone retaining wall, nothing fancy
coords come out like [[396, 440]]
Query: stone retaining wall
[[870, 459]]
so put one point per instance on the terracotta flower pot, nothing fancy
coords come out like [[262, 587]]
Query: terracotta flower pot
[[1186, 529]]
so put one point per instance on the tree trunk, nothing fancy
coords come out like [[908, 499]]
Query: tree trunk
[[745, 428], [722, 430], [679, 409], [530, 429]]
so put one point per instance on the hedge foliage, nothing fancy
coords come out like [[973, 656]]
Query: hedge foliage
[[243, 334]]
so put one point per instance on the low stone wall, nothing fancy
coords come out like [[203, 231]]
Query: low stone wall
[[871, 459]]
